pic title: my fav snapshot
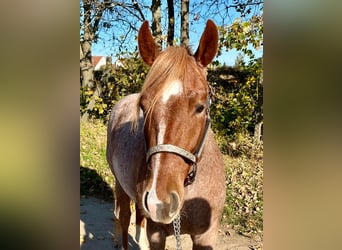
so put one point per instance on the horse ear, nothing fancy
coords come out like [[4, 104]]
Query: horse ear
[[207, 48], [147, 47]]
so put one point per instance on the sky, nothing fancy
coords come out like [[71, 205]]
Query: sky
[[228, 58]]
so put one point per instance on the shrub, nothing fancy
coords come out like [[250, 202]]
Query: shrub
[[115, 83], [237, 104]]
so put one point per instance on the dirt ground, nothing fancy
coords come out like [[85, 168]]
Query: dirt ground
[[96, 231]]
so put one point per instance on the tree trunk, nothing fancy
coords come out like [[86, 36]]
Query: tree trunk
[[171, 23], [86, 66], [87, 75], [257, 133], [156, 22], [185, 22], [91, 104]]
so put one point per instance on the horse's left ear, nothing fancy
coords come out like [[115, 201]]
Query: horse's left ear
[[147, 47], [207, 48]]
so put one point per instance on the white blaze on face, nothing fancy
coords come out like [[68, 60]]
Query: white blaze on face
[[175, 88]]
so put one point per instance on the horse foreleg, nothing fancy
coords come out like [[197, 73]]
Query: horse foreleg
[[122, 216], [156, 236], [207, 240], [140, 230]]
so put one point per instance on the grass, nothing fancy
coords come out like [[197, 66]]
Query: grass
[[244, 177], [96, 177]]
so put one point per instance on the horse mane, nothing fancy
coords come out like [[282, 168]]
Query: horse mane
[[169, 66]]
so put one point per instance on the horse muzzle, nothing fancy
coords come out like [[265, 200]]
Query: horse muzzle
[[161, 211]]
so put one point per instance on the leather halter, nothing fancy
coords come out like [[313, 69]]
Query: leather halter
[[192, 157]]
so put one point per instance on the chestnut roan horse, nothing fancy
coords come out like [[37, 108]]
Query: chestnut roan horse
[[162, 151]]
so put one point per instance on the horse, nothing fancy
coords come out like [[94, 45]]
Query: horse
[[162, 151]]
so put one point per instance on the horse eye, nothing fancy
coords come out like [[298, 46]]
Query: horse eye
[[199, 108]]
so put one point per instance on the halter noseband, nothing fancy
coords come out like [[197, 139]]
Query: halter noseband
[[169, 148]]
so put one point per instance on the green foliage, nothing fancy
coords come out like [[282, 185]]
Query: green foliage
[[243, 35], [238, 91], [237, 104], [115, 82]]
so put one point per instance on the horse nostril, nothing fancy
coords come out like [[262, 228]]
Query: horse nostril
[[145, 201], [174, 203]]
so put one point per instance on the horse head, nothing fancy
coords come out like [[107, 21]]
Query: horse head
[[175, 101]]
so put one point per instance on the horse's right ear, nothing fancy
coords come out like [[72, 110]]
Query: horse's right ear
[[147, 47]]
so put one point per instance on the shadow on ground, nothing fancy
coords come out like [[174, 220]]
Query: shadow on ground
[[97, 226], [92, 184], [97, 213]]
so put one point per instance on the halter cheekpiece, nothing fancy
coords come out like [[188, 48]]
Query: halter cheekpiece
[[192, 157]]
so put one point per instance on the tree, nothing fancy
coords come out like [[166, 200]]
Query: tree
[[222, 9], [243, 36], [184, 39], [99, 17], [92, 13], [171, 22], [156, 22]]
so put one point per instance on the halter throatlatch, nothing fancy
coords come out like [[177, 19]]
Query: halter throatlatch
[[193, 158]]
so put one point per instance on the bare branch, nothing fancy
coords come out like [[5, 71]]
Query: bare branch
[[137, 8]]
